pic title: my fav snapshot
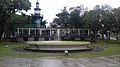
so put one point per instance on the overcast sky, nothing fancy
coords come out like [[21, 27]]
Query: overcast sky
[[49, 8]]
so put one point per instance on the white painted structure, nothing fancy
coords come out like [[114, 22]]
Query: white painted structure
[[50, 33]]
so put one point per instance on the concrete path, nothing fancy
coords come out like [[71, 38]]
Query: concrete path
[[52, 62]]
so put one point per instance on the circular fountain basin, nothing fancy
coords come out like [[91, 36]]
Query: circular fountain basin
[[55, 46]]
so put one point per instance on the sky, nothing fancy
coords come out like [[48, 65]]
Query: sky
[[49, 8]]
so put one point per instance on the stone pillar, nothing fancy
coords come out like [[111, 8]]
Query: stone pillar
[[88, 32], [79, 32], [68, 32], [22, 31], [58, 34], [73, 31], [18, 31], [35, 31], [40, 32], [83, 31], [29, 31], [50, 32]]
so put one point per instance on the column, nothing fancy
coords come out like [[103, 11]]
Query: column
[[22, 32], [88, 32], [40, 32], [68, 32], [50, 32], [83, 31], [18, 31], [35, 31], [79, 32], [29, 32], [73, 31], [58, 34]]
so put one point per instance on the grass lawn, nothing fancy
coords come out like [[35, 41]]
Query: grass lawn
[[110, 48]]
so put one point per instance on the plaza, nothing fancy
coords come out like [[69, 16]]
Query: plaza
[[76, 36], [64, 62]]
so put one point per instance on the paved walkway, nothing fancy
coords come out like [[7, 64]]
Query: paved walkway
[[52, 62]]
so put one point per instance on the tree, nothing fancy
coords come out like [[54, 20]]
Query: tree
[[71, 19], [43, 24], [92, 21], [63, 18], [9, 7], [76, 16], [106, 20], [13, 22], [116, 17], [54, 23], [75, 19], [100, 15]]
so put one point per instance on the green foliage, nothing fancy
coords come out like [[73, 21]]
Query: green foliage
[[116, 17], [44, 22], [25, 4], [16, 21], [62, 19], [20, 19], [15, 4], [92, 20], [100, 15], [74, 19], [9, 7]]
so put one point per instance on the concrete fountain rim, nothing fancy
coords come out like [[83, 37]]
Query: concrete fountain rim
[[58, 46], [58, 42]]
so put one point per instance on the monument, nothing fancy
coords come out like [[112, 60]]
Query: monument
[[38, 17]]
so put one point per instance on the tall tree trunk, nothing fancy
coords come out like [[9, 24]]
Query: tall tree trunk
[[1, 33], [109, 35], [103, 34], [117, 37], [2, 27], [3, 22]]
